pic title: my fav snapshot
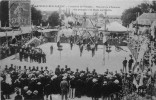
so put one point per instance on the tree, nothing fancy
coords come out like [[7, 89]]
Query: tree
[[153, 6], [130, 15], [36, 16], [54, 19], [145, 7]]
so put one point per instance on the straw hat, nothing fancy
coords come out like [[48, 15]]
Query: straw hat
[[32, 79], [94, 80], [116, 81], [29, 92], [55, 76], [40, 76], [72, 77], [26, 88], [64, 78], [105, 82], [35, 92], [38, 83], [81, 74]]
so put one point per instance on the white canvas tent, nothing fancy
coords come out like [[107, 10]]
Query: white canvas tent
[[114, 27], [67, 32]]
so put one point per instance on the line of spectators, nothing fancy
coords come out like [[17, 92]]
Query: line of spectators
[[34, 83]]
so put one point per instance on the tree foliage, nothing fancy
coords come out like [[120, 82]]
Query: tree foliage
[[54, 19], [36, 16], [153, 6], [131, 14]]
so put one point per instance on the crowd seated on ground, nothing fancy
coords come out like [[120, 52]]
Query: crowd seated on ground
[[33, 83]]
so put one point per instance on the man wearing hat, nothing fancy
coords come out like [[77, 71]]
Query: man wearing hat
[[124, 65], [28, 95], [64, 88], [57, 70], [96, 89], [72, 87], [18, 96], [35, 95]]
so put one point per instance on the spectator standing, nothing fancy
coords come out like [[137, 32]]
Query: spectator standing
[[64, 88], [124, 65]]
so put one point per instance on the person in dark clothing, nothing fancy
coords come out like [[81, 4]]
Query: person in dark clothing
[[131, 61], [44, 57], [64, 88], [96, 90], [71, 44], [96, 45], [28, 95], [20, 55], [66, 68], [79, 83], [104, 90], [93, 49], [18, 96], [124, 65], [39, 88], [51, 50], [58, 43], [81, 49], [35, 95], [57, 70], [31, 56], [88, 46], [62, 71], [72, 87], [48, 91], [6, 68]]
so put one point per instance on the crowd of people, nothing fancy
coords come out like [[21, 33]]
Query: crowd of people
[[36, 83], [12, 46], [34, 54]]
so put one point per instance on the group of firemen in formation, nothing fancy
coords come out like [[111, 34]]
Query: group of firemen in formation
[[34, 54], [36, 83]]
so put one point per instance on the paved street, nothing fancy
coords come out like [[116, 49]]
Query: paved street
[[113, 60]]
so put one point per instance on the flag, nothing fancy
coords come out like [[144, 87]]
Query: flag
[[141, 80], [149, 81], [47, 25], [135, 66]]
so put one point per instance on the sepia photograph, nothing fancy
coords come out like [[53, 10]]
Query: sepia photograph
[[78, 49]]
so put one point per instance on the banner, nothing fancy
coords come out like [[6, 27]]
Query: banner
[[19, 13]]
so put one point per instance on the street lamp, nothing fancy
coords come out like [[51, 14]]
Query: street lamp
[[60, 49]]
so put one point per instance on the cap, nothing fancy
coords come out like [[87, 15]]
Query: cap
[[94, 80]]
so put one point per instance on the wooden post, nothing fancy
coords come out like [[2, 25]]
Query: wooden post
[[104, 54]]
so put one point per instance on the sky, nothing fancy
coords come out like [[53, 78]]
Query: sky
[[114, 7]]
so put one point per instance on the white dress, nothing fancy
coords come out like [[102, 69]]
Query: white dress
[[8, 79]]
